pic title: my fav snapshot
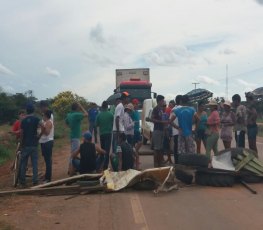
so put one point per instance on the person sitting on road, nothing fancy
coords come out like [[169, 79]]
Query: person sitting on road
[[126, 156], [87, 152]]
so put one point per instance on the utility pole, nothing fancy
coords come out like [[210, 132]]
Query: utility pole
[[226, 81], [195, 83]]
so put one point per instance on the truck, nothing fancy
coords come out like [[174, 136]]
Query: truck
[[134, 81]]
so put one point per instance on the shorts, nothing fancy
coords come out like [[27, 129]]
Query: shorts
[[137, 137], [75, 143], [200, 134], [157, 139], [252, 131]]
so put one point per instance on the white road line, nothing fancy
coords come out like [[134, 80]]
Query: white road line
[[138, 213]]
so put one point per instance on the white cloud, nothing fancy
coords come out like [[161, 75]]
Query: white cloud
[[227, 51], [246, 84], [52, 72], [5, 71], [207, 80]]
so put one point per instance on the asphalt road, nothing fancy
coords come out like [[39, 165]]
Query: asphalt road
[[189, 207]]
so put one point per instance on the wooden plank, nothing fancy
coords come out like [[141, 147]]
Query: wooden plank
[[69, 180], [243, 161], [60, 190]]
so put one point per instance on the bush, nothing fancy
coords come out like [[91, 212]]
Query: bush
[[5, 153]]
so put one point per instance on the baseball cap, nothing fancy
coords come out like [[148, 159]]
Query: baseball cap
[[135, 101], [87, 135], [125, 94]]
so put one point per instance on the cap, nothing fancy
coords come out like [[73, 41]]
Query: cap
[[212, 102], [135, 101], [125, 94], [87, 135], [228, 103], [129, 106]]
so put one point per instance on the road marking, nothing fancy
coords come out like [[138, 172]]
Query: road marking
[[137, 210]]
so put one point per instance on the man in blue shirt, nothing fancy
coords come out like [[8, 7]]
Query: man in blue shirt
[[92, 114], [185, 115], [29, 143]]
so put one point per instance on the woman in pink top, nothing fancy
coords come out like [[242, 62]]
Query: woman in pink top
[[212, 131]]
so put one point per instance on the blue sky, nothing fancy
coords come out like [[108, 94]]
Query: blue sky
[[56, 45]]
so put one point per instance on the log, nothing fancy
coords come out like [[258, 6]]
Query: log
[[69, 180], [61, 190]]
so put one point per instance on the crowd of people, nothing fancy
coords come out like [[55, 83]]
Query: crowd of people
[[118, 130], [223, 120]]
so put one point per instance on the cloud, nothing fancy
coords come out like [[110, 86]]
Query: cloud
[[246, 84], [227, 51], [169, 56], [207, 80], [96, 34], [52, 72], [5, 71], [259, 2]]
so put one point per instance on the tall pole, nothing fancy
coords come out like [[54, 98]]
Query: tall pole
[[195, 83], [226, 81]]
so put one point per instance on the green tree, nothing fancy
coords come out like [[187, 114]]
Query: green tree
[[63, 101]]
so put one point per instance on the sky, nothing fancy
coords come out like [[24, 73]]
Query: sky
[[57, 45]]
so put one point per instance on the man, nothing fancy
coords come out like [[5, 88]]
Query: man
[[240, 126], [126, 156], [92, 114], [175, 127], [137, 139], [16, 128], [73, 120], [104, 122], [185, 115], [252, 128], [118, 126], [158, 131], [29, 143], [87, 152]]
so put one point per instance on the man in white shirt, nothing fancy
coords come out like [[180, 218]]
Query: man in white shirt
[[118, 124]]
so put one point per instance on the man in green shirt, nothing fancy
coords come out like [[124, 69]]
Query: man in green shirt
[[73, 120], [104, 121]]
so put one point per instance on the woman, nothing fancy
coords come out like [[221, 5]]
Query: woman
[[200, 120], [46, 141], [212, 130], [227, 124]]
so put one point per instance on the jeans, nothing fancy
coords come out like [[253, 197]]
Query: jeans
[[240, 139], [175, 148], [33, 154], [105, 141], [46, 149]]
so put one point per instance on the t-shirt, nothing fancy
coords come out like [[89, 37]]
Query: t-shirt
[[74, 121], [241, 118], [119, 112], [185, 119], [93, 112], [127, 156], [29, 127], [157, 114], [87, 157], [16, 127], [174, 130], [136, 118], [104, 121]]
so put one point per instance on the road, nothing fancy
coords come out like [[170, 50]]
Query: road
[[190, 207]]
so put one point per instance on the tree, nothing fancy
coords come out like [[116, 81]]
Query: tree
[[63, 101]]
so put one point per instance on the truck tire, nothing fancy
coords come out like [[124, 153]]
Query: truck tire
[[193, 160], [184, 176], [215, 178]]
